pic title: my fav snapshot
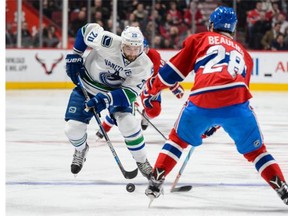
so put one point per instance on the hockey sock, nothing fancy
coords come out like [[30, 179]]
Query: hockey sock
[[108, 123], [265, 164], [170, 153], [106, 127]]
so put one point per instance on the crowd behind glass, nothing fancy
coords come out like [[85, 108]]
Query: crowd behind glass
[[262, 25]]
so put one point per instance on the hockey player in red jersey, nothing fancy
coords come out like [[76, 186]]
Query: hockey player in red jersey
[[220, 96], [151, 103]]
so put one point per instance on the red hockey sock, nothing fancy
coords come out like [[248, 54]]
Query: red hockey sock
[[106, 126], [165, 162], [170, 153], [265, 164]]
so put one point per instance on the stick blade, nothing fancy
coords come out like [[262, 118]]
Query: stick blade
[[131, 174], [181, 189]]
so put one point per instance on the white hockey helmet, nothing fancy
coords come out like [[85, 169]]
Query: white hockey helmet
[[132, 37]]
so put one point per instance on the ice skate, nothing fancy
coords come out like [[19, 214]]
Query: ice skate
[[144, 122], [145, 168], [79, 158], [281, 188], [155, 187]]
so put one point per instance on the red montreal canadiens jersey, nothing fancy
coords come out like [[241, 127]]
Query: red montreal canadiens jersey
[[155, 57], [222, 70]]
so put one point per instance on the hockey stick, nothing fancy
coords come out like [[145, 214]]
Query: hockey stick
[[126, 174], [187, 187], [151, 123]]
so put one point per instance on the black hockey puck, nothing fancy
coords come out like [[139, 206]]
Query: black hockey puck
[[130, 187]]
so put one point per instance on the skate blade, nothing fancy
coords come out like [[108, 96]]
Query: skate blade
[[151, 197]]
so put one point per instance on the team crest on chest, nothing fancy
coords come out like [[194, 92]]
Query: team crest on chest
[[113, 80]]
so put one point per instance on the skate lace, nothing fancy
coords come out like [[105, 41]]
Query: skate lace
[[78, 157], [156, 183], [145, 167], [283, 190]]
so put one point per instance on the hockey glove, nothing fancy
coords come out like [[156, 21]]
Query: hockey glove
[[210, 131], [177, 90], [74, 66], [99, 102], [149, 83], [146, 101]]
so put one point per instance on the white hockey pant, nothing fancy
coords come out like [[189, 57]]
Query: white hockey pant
[[76, 132]]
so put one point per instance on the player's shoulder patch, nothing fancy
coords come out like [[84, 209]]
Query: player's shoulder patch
[[106, 41]]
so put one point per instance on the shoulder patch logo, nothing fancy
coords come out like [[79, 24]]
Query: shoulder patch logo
[[106, 41], [72, 109]]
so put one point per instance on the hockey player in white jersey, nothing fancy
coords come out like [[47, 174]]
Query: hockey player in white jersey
[[114, 73]]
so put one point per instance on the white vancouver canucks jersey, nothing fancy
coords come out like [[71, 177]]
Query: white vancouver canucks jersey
[[107, 69]]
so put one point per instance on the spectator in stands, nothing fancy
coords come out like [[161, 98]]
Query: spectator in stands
[[258, 30], [278, 43], [254, 14], [49, 6], [286, 36], [166, 44], [131, 5], [165, 26], [49, 37], [10, 36], [128, 22], [152, 29], [175, 14], [119, 28], [173, 38], [161, 8], [97, 18], [104, 8], [157, 18], [284, 23], [273, 11], [270, 35], [199, 17], [76, 5], [79, 22], [252, 17], [141, 15], [27, 39], [242, 8], [148, 31], [158, 42]]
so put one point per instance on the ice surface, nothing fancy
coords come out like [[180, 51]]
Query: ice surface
[[38, 157]]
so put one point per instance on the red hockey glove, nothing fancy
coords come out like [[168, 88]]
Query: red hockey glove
[[149, 90], [177, 90]]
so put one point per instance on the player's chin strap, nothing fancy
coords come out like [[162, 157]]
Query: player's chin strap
[[126, 174]]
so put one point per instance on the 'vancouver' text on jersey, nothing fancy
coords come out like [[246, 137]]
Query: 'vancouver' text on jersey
[[106, 67]]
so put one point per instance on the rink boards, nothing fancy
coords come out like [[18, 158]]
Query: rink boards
[[45, 69]]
